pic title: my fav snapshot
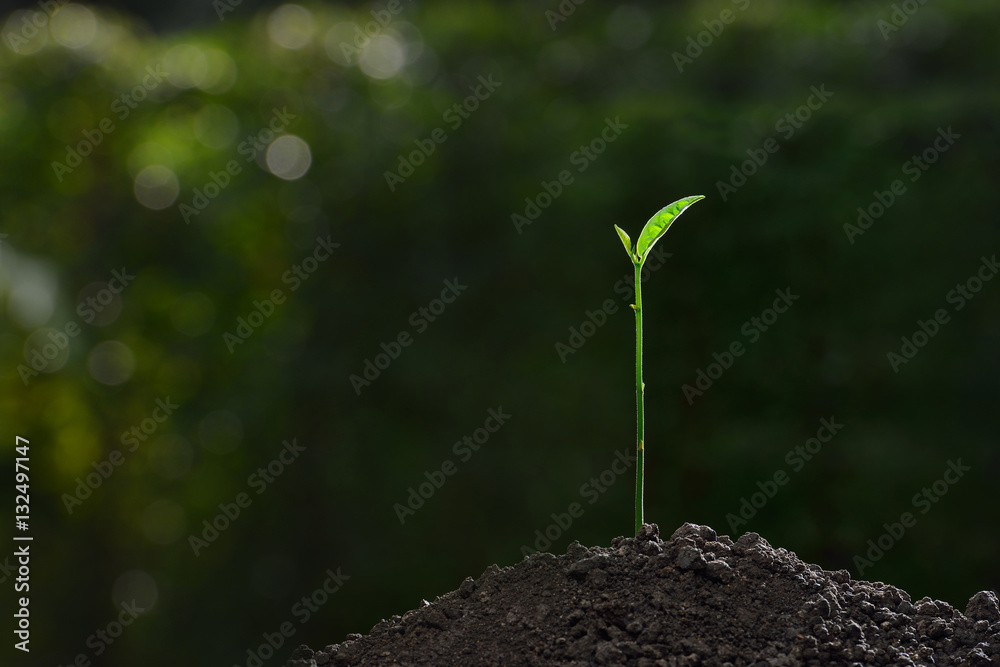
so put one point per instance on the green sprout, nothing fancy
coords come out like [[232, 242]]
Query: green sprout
[[651, 233]]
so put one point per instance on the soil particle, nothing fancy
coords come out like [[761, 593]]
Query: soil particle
[[696, 600]]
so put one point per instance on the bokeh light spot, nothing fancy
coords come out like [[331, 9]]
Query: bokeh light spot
[[74, 26], [111, 362], [26, 32], [135, 587], [382, 57], [46, 350], [147, 155], [156, 187], [220, 72], [341, 44], [291, 26], [32, 300], [288, 157], [185, 65]]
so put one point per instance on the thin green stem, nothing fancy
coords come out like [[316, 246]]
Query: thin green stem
[[638, 400]]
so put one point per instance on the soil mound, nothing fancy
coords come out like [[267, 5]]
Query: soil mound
[[696, 599]]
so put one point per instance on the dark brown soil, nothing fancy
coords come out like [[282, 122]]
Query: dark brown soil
[[697, 599]]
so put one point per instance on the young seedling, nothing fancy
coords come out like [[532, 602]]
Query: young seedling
[[651, 233]]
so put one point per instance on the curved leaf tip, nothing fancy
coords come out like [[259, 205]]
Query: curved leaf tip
[[658, 225], [626, 241]]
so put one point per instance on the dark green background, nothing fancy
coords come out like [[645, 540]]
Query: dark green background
[[495, 345]]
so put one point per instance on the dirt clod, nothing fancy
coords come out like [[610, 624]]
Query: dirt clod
[[698, 599]]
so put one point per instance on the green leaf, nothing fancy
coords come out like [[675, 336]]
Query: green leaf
[[626, 241], [659, 224]]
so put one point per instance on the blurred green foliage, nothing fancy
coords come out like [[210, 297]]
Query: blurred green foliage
[[495, 345]]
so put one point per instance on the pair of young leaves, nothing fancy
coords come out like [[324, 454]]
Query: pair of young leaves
[[654, 229]]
